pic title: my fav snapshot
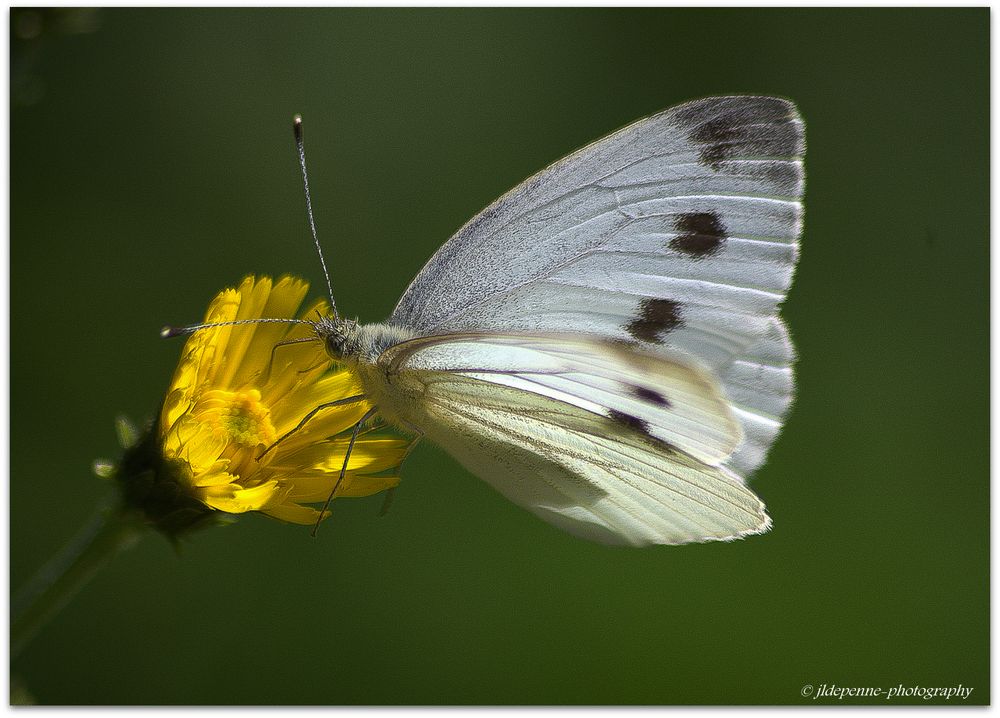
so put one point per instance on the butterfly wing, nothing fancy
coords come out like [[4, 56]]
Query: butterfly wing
[[678, 234], [604, 442], [668, 402]]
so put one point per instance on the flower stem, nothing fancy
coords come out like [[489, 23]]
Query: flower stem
[[109, 531]]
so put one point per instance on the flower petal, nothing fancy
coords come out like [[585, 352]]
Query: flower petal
[[294, 514], [317, 487], [234, 499], [237, 388], [370, 455]]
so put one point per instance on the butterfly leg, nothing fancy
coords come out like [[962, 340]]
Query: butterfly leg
[[317, 365], [310, 415], [390, 494], [343, 469], [284, 343], [412, 428]]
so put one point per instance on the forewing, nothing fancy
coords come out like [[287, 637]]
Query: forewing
[[678, 234]]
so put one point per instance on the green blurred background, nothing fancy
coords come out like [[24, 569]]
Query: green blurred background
[[152, 164]]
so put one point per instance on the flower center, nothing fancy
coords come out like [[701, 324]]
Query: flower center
[[241, 416]]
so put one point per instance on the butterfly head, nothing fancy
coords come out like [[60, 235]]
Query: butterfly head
[[339, 336], [347, 340]]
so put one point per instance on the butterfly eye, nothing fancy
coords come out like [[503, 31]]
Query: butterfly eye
[[334, 344]]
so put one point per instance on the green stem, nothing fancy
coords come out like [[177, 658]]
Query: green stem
[[108, 532]]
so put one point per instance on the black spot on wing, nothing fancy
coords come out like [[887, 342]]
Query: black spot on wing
[[718, 138], [701, 234], [742, 127], [622, 343], [781, 177], [641, 426], [632, 422], [657, 318], [650, 395]]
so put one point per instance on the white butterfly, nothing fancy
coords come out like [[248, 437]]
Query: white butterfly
[[602, 344]]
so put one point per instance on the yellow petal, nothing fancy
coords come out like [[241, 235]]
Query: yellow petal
[[195, 443], [294, 514], [252, 299], [208, 347], [316, 488], [214, 476], [367, 485], [235, 499], [370, 455], [281, 302], [294, 366], [234, 392], [331, 387]]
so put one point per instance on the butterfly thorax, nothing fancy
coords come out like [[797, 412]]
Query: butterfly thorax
[[360, 346], [348, 340]]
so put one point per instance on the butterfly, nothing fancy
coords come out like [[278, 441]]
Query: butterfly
[[602, 344]]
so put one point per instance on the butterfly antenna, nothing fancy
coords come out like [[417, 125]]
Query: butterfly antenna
[[169, 332], [297, 126]]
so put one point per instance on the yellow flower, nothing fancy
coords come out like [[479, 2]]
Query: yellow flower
[[236, 391]]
